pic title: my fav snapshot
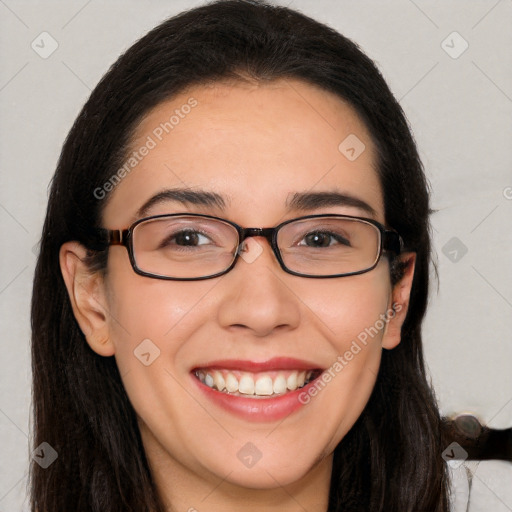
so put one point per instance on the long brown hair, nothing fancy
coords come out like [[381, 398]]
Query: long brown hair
[[391, 459]]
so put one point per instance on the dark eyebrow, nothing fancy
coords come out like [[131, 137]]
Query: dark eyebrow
[[299, 200], [183, 195], [317, 200]]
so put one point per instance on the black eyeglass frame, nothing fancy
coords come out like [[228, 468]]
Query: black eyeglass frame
[[390, 241]]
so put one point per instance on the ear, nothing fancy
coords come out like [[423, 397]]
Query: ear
[[400, 296], [86, 291]]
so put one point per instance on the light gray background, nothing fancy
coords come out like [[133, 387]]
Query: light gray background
[[460, 110]]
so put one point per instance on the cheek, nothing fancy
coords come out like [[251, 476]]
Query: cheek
[[349, 308], [142, 306], [351, 316], [151, 323], [146, 314]]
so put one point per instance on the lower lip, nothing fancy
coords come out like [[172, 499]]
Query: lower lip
[[256, 409]]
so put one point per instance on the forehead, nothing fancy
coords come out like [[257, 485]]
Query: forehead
[[254, 144]]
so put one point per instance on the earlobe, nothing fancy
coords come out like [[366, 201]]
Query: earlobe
[[400, 297], [87, 296]]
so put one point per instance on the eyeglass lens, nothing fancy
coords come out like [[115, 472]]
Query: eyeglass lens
[[194, 246]]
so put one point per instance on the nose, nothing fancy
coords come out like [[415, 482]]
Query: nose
[[255, 294]]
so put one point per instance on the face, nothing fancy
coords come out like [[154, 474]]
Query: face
[[256, 147]]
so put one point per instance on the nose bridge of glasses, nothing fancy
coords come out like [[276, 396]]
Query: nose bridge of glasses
[[264, 232], [251, 232]]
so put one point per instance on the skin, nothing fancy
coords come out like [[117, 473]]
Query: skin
[[256, 145]]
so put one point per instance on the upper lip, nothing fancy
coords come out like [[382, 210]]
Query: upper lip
[[276, 363]]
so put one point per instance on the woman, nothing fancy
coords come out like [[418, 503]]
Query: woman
[[237, 249]]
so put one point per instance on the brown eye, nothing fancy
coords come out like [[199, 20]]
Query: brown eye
[[185, 238], [323, 239]]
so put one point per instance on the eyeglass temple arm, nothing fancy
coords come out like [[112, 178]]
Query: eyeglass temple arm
[[392, 241], [102, 238], [117, 236]]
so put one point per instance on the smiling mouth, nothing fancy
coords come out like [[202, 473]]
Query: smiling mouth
[[267, 384]]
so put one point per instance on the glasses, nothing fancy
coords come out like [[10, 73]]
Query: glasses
[[191, 247]]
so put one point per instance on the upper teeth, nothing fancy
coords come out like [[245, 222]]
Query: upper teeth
[[246, 383]]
